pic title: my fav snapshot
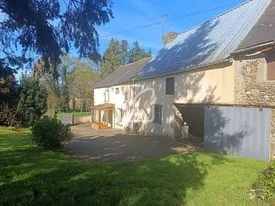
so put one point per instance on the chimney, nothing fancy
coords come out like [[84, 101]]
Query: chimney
[[169, 37]]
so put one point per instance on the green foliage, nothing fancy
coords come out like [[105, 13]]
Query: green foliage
[[9, 89], [46, 29], [49, 133], [28, 105], [136, 53], [111, 58], [32, 101], [118, 54], [80, 84], [264, 188], [10, 115]]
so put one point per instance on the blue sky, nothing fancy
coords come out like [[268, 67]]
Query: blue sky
[[133, 13]]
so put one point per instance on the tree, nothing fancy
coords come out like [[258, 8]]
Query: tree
[[111, 58], [42, 27], [9, 89], [80, 84], [33, 100], [124, 52], [118, 54], [137, 53]]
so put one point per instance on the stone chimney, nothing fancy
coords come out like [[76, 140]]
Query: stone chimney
[[169, 37]]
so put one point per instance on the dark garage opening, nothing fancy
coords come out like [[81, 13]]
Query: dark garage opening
[[193, 117]]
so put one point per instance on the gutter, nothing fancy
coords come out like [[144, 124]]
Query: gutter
[[185, 70], [259, 46]]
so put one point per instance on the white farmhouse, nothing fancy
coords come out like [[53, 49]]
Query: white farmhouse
[[215, 82]]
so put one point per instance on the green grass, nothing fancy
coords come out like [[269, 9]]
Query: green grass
[[190, 179], [77, 114]]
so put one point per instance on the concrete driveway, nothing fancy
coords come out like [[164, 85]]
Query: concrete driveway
[[114, 145]]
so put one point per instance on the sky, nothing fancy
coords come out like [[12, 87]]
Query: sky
[[130, 14]]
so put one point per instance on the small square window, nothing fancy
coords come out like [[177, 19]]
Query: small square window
[[170, 86], [158, 113], [270, 67]]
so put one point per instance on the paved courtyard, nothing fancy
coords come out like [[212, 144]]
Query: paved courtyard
[[114, 145]]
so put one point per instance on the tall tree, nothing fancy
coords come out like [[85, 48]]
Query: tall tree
[[137, 53], [80, 84], [111, 58], [43, 28], [124, 49]]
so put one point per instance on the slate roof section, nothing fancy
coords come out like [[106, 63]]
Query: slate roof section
[[208, 43], [263, 31], [123, 74]]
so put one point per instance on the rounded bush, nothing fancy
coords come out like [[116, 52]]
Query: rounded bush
[[49, 133]]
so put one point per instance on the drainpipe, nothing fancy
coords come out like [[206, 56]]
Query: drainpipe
[[134, 96]]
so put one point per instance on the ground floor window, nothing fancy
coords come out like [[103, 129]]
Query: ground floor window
[[119, 115], [158, 113]]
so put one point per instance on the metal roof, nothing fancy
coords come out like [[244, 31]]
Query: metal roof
[[208, 43], [123, 74]]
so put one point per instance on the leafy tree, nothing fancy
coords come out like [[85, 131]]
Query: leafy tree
[[80, 83], [33, 100], [42, 27], [111, 58], [65, 69], [137, 53]]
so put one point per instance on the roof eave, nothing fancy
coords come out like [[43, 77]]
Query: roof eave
[[185, 69], [253, 48]]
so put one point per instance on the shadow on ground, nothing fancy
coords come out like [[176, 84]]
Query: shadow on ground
[[114, 145]]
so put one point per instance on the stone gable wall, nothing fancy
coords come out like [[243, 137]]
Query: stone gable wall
[[252, 88]]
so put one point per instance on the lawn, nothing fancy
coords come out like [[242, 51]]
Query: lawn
[[29, 175]]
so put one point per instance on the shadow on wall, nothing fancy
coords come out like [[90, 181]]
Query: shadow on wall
[[216, 139], [191, 52]]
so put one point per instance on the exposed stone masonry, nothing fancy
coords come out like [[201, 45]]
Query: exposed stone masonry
[[252, 88]]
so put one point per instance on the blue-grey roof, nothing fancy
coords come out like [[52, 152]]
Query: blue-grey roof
[[208, 43]]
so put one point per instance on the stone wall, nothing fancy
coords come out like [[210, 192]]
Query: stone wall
[[272, 136], [252, 88]]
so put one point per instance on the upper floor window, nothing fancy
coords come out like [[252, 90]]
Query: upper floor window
[[106, 96], [158, 113], [270, 67], [170, 86], [117, 91]]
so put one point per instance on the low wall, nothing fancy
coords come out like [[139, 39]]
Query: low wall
[[73, 120], [80, 120]]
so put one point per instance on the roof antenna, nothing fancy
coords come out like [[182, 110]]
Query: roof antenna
[[163, 20]]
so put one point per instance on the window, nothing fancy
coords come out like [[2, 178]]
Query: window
[[158, 113], [126, 95], [270, 67], [117, 91], [170, 86], [106, 96], [119, 115]]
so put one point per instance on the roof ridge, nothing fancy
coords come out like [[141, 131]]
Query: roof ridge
[[134, 62], [215, 17]]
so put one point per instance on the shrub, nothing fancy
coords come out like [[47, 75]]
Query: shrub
[[264, 188], [49, 133]]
